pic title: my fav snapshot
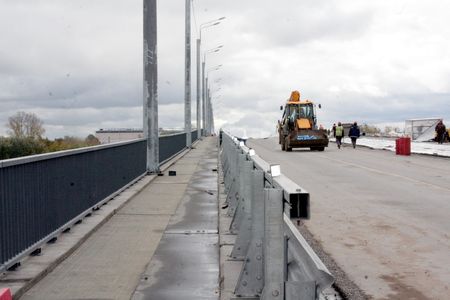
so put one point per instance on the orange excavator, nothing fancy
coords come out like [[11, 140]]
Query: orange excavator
[[298, 125]]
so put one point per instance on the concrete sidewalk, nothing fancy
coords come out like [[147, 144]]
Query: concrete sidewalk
[[186, 263], [182, 211]]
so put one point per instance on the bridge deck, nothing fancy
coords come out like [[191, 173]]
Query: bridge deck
[[153, 243], [383, 218]]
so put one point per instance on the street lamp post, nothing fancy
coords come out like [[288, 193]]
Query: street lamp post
[[204, 84], [212, 120], [199, 127], [203, 98], [205, 103], [208, 115], [199, 41], [208, 119], [211, 116], [212, 96], [150, 105], [187, 75]]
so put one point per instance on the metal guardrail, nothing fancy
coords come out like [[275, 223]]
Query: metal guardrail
[[44, 195], [278, 262]]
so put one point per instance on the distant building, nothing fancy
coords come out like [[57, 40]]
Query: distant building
[[113, 135]]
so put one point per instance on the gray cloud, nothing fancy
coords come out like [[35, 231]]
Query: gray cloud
[[78, 64], [293, 23]]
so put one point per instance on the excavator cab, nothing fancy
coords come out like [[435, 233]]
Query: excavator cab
[[302, 115]]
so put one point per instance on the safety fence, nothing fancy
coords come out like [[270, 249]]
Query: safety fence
[[277, 261], [44, 195]]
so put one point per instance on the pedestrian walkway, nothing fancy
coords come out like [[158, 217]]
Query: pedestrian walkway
[[164, 241]]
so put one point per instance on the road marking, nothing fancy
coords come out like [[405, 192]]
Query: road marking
[[386, 173], [370, 169]]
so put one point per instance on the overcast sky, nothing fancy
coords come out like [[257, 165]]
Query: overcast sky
[[78, 64]]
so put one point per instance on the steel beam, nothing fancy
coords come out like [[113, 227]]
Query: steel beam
[[251, 278], [274, 253]]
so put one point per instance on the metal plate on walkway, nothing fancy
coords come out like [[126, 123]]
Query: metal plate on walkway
[[197, 212], [186, 262], [183, 267]]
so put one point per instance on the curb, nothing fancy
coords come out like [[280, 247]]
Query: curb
[[384, 149]]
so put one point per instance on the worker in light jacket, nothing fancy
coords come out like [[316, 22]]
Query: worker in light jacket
[[339, 134], [354, 134]]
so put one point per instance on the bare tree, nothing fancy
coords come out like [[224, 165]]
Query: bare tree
[[24, 124], [388, 130], [370, 129]]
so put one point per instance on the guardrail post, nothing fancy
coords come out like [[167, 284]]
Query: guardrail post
[[228, 165], [225, 159], [238, 213], [245, 213], [251, 279], [274, 246], [234, 185], [231, 153]]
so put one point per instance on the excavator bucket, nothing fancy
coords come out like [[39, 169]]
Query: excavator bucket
[[308, 138]]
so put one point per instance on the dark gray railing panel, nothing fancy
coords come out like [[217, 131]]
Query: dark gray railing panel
[[41, 193], [36, 198], [170, 145]]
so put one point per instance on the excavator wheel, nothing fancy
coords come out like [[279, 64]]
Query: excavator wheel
[[282, 142], [286, 145]]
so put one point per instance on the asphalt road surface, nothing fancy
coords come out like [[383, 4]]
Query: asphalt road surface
[[384, 219]]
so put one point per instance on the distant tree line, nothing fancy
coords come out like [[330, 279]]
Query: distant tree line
[[372, 130], [26, 132]]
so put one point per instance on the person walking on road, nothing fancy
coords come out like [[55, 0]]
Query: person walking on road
[[354, 134], [339, 134], [334, 130], [440, 132]]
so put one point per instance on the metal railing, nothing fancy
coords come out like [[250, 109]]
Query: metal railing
[[278, 262], [44, 195]]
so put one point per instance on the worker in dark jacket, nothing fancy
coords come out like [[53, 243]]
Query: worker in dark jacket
[[354, 134], [339, 134], [440, 132]]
